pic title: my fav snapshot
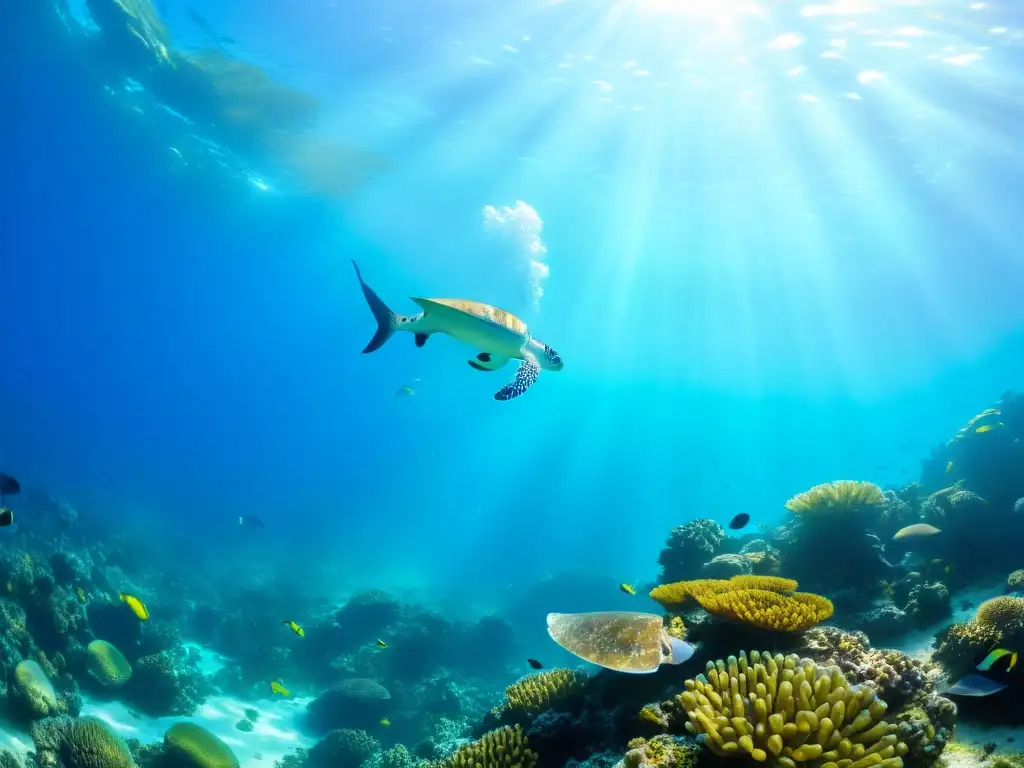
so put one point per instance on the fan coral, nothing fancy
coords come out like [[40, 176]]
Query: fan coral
[[661, 752], [342, 748], [85, 742], [1015, 581], [35, 688], [107, 665], [840, 497], [504, 748], [681, 593], [195, 746], [689, 545], [534, 694], [790, 710], [769, 610]]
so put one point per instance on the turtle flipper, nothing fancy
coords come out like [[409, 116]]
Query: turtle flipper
[[527, 374], [485, 361]]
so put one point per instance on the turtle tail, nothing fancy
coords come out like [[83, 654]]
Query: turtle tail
[[387, 321]]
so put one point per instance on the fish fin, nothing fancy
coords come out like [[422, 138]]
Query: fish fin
[[387, 321], [527, 374], [421, 339], [485, 361]]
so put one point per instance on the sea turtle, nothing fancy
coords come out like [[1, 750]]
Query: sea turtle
[[499, 334]]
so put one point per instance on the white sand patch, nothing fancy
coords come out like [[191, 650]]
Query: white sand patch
[[14, 738], [977, 734], [275, 733]]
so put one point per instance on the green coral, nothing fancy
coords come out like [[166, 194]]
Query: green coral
[[85, 742], [35, 688], [107, 665], [662, 752], [195, 746]]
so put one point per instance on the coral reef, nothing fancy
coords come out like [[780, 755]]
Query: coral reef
[[168, 683], [355, 702], [342, 748], [688, 546], [789, 709], [504, 748], [997, 621], [1015, 581]]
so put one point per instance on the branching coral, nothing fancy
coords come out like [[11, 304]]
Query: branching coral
[[840, 497], [195, 746], [1004, 614], [504, 748], [534, 694], [791, 712]]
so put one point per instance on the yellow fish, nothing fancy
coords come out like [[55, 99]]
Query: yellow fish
[[629, 589], [994, 656], [296, 628], [279, 689], [949, 467], [385, 722], [138, 607], [988, 427], [381, 643], [405, 391]]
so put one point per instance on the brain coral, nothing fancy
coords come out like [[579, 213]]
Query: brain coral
[[195, 746], [85, 742], [787, 712], [351, 703], [107, 664], [769, 610], [36, 688]]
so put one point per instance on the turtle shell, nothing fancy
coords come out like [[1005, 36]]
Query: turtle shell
[[485, 312], [621, 640]]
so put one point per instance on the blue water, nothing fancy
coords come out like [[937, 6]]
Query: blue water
[[782, 250]]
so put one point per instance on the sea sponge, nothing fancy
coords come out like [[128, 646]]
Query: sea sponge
[[791, 711], [35, 688], [840, 497], [1015, 581], [534, 694], [504, 748], [194, 745], [1004, 614], [107, 665], [682, 593], [770, 610], [85, 742]]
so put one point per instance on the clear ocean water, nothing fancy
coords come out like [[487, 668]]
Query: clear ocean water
[[775, 244]]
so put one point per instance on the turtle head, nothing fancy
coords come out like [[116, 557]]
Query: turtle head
[[547, 357]]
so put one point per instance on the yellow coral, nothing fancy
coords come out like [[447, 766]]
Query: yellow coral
[[842, 496], [503, 748], [195, 746], [90, 743], [682, 592], [789, 711], [534, 694], [661, 752], [676, 628], [107, 664], [1004, 614], [35, 687], [769, 610]]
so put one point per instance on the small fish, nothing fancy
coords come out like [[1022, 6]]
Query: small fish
[[629, 589], [988, 427], [405, 392], [385, 722], [250, 521], [949, 467], [916, 531], [279, 689], [740, 521], [535, 664], [948, 569], [975, 685], [994, 656], [6, 516], [296, 628], [381, 643], [138, 607]]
